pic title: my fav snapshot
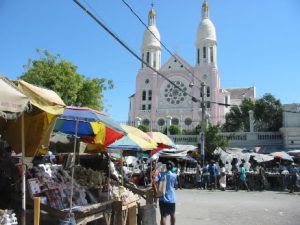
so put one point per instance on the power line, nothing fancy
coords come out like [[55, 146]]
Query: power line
[[128, 48], [137, 57], [164, 46]]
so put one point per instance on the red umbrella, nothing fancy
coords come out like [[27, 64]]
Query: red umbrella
[[162, 140]]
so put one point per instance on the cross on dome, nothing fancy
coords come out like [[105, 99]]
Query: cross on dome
[[205, 10]]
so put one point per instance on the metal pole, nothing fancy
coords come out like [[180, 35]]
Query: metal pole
[[203, 122], [73, 166], [169, 119], [23, 172]]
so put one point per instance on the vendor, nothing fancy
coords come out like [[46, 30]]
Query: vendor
[[7, 181], [294, 173]]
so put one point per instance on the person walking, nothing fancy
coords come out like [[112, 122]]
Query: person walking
[[205, 177], [167, 202], [294, 173], [198, 175], [212, 169], [262, 178], [222, 180], [242, 178]]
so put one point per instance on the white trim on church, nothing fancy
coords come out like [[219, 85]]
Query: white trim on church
[[155, 98]]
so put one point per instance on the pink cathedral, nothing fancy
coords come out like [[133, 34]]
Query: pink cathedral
[[156, 101]]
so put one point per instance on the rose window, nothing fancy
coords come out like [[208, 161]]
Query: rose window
[[173, 94]]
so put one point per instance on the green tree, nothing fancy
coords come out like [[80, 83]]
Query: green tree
[[268, 113], [61, 76], [174, 130], [213, 140], [238, 117], [143, 128]]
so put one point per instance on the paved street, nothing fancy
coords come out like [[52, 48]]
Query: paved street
[[197, 207]]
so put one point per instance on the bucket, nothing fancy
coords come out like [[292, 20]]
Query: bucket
[[148, 213]]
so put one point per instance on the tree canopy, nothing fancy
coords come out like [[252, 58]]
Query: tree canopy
[[213, 140], [238, 117], [267, 115], [61, 76]]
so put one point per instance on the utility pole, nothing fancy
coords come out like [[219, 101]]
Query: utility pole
[[203, 122]]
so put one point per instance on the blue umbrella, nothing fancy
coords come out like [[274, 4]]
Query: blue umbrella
[[79, 122], [66, 123]]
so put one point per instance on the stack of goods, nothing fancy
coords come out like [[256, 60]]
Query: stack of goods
[[53, 184], [123, 194], [7, 217], [89, 178]]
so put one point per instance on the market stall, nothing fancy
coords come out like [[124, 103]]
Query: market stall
[[13, 104], [264, 171]]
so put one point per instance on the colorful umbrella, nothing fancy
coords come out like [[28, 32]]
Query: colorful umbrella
[[85, 122], [134, 140], [161, 139], [282, 155], [93, 126]]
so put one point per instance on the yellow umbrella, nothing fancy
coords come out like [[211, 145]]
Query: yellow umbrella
[[161, 138], [134, 140]]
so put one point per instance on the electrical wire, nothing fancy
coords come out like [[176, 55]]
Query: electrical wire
[[130, 50], [164, 46]]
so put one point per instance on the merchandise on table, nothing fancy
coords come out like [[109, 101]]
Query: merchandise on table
[[54, 183], [123, 194], [7, 217], [89, 178]]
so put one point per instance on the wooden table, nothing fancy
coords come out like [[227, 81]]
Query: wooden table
[[125, 213], [86, 214]]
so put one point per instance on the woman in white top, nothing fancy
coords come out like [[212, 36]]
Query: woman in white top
[[222, 179]]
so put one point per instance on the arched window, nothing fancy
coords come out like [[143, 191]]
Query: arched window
[[208, 104], [175, 121], [148, 57], [188, 121], [198, 56], [146, 122], [211, 54], [150, 95], [161, 122], [208, 91], [144, 95], [204, 52]]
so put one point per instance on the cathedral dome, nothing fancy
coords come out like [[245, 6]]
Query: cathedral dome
[[206, 31], [151, 37]]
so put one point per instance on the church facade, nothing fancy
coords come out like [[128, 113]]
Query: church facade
[[157, 99]]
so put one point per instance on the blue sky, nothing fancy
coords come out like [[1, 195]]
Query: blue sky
[[258, 41]]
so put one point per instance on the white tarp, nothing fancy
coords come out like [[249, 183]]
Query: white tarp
[[171, 153], [186, 147], [12, 101]]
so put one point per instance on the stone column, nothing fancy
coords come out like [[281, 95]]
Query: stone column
[[251, 121]]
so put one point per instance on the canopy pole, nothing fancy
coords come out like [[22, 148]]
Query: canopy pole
[[23, 172], [73, 166], [108, 178]]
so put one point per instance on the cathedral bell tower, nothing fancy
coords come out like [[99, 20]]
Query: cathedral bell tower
[[206, 42], [151, 50], [206, 68]]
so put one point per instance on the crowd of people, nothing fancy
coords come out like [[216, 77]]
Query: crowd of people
[[209, 176]]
